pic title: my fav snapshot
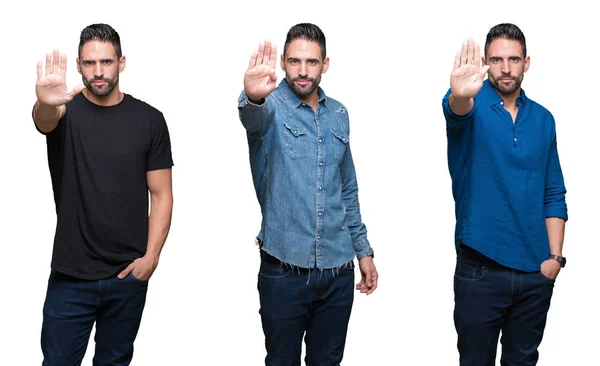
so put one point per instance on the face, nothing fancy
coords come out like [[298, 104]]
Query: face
[[303, 66], [507, 65], [99, 67]]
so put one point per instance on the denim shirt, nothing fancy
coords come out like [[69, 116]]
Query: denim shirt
[[506, 178], [304, 178]]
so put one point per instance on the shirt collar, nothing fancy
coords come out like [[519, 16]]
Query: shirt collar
[[493, 97], [291, 97]]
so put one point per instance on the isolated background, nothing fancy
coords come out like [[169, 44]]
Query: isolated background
[[390, 65]]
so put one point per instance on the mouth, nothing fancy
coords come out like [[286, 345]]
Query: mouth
[[303, 82], [99, 83], [506, 80]]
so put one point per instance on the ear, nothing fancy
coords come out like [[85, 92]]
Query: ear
[[78, 66], [282, 63], [483, 62], [526, 64], [122, 64], [325, 65]]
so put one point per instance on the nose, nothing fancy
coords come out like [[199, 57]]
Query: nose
[[506, 66], [303, 69], [98, 71]]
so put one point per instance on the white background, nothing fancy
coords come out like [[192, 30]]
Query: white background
[[390, 65]]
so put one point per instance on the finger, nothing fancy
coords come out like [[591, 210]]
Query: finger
[[370, 279], [48, 63], [273, 56], [267, 53], [463, 55], [252, 62], [63, 64], [457, 60], [55, 61], [476, 55], [39, 70], [273, 75], [261, 54], [470, 59], [124, 273]]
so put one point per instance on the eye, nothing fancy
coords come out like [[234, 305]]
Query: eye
[[107, 62], [312, 62]]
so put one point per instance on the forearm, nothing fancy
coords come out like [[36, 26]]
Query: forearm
[[460, 106], [254, 115], [46, 116], [556, 234], [159, 223]]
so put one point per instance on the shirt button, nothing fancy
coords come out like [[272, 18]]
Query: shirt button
[[320, 163], [501, 103], [320, 187], [318, 236], [320, 140], [320, 214], [515, 139]]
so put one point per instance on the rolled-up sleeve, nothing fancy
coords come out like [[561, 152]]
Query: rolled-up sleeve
[[554, 196]]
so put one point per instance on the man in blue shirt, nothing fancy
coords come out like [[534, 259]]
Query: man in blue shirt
[[510, 202], [306, 186]]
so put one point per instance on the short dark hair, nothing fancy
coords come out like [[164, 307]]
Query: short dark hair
[[103, 33], [309, 32], [507, 31]]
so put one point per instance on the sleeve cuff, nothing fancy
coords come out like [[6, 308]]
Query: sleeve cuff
[[559, 212], [362, 248]]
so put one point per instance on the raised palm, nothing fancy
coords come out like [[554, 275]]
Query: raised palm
[[260, 78], [467, 76], [51, 87]]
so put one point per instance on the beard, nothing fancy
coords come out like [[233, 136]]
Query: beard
[[506, 89], [103, 90], [303, 92]]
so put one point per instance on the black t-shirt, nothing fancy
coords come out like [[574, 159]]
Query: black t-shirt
[[98, 158]]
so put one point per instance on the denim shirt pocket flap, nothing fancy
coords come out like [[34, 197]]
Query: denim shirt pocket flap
[[296, 131], [343, 137]]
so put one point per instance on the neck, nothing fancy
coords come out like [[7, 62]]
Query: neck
[[113, 98], [510, 100], [312, 99]]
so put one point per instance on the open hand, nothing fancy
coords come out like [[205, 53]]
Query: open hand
[[51, 86]]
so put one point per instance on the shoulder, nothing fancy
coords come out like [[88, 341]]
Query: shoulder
[[143, 107]]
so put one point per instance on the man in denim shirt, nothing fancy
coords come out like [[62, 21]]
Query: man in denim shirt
[[305, 182], [508, 187]]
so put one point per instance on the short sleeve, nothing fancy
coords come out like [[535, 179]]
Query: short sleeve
[[159, 153]]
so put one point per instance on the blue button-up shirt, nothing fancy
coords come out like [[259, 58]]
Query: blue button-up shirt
[[304, 179], [506, 178]]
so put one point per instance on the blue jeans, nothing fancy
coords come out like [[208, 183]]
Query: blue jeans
[[73, 305], [489, 299], [295, 301]]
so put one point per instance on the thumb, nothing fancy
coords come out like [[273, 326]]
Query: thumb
[[482, 72], [124, 273], [76, 89]]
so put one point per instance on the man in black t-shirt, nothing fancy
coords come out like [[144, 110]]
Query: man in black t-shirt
[[106, 151]]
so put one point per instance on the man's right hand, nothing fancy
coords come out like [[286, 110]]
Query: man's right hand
[[467, 77], [51, 87], [260, 78]]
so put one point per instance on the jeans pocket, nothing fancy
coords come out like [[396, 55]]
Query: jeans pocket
[[546, 277], [271, 269], [466, 271]]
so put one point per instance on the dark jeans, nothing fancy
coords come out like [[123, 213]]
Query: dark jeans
[[490, 298], [73, 305], [294, 301]]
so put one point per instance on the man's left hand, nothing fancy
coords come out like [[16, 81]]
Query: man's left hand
[[141, 268], [550, 268]]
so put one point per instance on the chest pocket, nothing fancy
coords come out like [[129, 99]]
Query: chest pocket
[[294, 141], [340, 143]]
